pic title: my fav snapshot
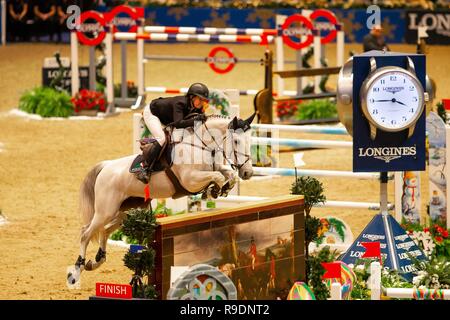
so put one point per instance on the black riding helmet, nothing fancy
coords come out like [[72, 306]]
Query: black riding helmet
[[199, 90]]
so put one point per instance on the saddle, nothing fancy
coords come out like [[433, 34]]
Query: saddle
[[163, 162]]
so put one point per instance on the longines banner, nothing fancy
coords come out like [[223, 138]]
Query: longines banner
[[437, 23]]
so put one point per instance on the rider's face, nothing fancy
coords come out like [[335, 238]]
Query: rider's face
[[199, 103]]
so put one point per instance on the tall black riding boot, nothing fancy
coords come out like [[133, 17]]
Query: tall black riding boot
[[152, 156]]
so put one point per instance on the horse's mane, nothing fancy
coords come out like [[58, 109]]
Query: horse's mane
[[218, 117]]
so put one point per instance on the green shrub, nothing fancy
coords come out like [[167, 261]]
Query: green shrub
[[46, 102], [316, 109]]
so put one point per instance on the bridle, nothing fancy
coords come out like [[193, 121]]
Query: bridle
[[233, 163]]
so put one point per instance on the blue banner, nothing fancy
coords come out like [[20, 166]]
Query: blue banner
[[354, 21]]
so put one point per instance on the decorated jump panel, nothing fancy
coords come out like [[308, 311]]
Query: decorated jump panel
[[259, 245]]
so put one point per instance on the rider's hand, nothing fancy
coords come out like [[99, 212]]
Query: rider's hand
[[201, 117]]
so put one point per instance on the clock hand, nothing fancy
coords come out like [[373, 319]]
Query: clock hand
[[388, 100], [400, 102]]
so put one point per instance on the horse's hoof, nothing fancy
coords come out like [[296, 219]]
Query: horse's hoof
[[89, 266], [73, 277]]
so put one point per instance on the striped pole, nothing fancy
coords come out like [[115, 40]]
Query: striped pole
[[301, 143], [208, 30], [249, 92], [328, 204], [340, 42], [316, 173], [166, 37], [140, 65], [304, 129], [317, 56]]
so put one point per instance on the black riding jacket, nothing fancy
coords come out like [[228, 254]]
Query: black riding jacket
[[174, 110]]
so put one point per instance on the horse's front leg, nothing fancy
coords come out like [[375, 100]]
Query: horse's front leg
[[195, 180], [230, 178]]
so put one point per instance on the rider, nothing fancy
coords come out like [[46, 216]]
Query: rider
[[173, 110]]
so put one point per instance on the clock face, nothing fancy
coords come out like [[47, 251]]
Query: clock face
[[394, 100]]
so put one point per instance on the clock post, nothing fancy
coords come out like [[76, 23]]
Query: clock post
[[381, 101]]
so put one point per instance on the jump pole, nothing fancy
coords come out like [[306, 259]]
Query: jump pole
[[75, 80], [316, 173], [317, 55], [109, 70], [340, 42], [304, 129], [279, 21], [328, 204], [302, 143], [3, 21]]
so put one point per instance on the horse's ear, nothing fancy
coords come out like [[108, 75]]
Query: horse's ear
[[233, 124], [250, 119]]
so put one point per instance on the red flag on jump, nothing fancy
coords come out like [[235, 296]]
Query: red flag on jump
[[332, 270], [147, 192], [373, 250]]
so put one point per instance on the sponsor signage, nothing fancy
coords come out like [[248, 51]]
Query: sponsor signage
[[92, 28], [297, 30], [395, 255], [390, 151], [48, 74], [436, 22], [215, 59], [124, 18], [112, 290]]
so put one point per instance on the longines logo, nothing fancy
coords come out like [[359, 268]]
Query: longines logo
[[387, 154], [393, 89]]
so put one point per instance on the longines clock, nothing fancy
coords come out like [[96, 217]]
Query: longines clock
[[392, 98]]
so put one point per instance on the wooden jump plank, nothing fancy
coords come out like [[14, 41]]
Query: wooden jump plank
[[188, 219], [309, 96], [307, 72]]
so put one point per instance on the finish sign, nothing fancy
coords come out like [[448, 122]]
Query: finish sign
[[221, 56]]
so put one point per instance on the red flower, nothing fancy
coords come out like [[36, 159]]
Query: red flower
[[439, 230], [438, 239], [426, 230], [444, 233], [87, 100]]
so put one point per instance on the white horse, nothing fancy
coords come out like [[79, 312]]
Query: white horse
[[202, 156]]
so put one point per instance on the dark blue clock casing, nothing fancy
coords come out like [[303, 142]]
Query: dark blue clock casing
[[390, 151]]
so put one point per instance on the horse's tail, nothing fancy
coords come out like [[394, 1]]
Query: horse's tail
[[87, 197]]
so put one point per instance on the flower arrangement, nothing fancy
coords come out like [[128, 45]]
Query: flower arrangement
[[434, 240], [286, 109], [132, 90], [89, 100]]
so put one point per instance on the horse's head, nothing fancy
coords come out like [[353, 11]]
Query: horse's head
[[238, 146]]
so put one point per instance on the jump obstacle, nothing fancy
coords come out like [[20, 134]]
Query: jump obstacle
[[185, 34], [378, 292]]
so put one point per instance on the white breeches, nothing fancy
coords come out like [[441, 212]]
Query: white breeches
[[154, 125]]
